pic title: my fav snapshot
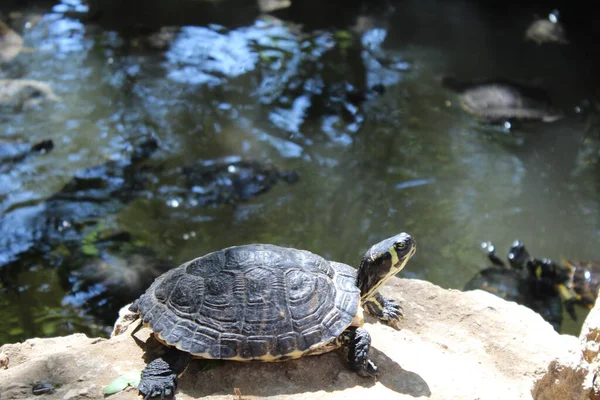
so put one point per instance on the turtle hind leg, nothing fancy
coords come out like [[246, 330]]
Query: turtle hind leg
[[358, 342], [159, 378], [384, 309]]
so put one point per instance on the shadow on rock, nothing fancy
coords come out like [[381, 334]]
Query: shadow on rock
[[395, 378], [327, 372]]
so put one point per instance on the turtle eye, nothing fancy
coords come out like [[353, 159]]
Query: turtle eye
[[400, 246]]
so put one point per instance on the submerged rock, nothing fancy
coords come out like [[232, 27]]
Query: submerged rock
[[17, 94], [12, 151], [103, 276], [11, 43], [231, 179], [452, 345], [89, 196]]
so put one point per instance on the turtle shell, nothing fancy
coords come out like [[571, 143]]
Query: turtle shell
[[499, 100], [253, 302]]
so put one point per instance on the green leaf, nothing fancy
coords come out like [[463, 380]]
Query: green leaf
[[343, 35], [90, 250], [131, 378]]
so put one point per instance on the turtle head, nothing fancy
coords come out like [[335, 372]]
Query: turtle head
[[518, 256], [382, 261]]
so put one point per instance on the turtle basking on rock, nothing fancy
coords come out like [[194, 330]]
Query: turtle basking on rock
[[501, 100], [262, 302]]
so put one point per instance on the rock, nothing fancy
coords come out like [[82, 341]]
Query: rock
[[24, 93], [3, 361], [575, 377], [11, 43], [452, 345]]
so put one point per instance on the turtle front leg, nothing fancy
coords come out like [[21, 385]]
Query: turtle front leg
[[159, 378], [358, 342], [384, 309]]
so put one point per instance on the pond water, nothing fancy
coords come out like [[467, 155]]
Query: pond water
[[350, 101]]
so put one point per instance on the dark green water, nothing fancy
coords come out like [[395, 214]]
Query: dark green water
[[249, 84]]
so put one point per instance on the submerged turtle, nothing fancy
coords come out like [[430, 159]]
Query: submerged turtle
[[501, 100], [262, 302], [526, 281]]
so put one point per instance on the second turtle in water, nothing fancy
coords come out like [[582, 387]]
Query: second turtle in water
[[527, 281], [498, 100], [262, 302]]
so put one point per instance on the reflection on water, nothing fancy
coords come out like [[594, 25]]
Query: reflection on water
[[354, 107]]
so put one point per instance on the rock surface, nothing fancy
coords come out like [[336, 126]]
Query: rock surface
[[452, 345], [575, 377]]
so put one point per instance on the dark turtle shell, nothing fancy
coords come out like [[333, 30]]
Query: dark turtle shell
[[503, 282], [499, 100], [253, 302]]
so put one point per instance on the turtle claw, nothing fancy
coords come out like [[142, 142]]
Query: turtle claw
[[159, 388], [392, 311], [370, 370], [158, 380], [386, 310]]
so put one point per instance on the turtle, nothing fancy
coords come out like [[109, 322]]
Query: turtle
[[584, 280], [543, 30], [501, 100], [263, 302], [577, 281], [547, 29], [526, 280]]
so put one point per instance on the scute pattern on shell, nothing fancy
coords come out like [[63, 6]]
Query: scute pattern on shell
[[252, 302]]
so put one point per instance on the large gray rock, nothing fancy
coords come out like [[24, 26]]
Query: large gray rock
[[452, 345]]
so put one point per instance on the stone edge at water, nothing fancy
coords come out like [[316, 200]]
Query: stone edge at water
[[452, 345]]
